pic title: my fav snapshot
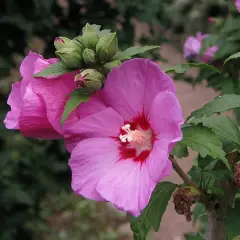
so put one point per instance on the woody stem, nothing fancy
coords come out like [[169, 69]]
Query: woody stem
[[181, 173]]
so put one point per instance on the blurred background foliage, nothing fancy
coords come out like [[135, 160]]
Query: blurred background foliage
[[36, 200]]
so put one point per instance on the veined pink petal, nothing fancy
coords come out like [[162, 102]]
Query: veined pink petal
[[15, 101], [209, 54], [128, 186], [106, 123], [54, 94], [91, 159], [158, 163], [131, 88], [94, 104], [192, 47], [166, 117], [33, 119]]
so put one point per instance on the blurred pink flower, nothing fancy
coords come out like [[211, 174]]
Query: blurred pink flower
[[121, 142], [37, 103], [237, 3], [192, 47]]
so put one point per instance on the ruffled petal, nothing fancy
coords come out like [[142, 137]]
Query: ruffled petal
[[128, 186], [131, 88], [15, 102], [166, 117], [54, 94], [33, 120], [158, 162], [90, 160], [106, 123], [192, 47]]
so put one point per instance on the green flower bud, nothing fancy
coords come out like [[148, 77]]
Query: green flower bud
[[88, 56], [90, 78], [69, 57], [107, 47], [88, 28], [61, 42], [89, 40], [110, 65]]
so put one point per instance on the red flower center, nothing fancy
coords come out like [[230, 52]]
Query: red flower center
[[136, 139]]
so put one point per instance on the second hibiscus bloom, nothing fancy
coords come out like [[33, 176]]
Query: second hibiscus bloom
[[193, 45], [121, 140]]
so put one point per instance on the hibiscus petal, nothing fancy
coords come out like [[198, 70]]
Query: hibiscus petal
[[90, 160], [54, 94], [94, 104], [158, 162], [128, 186], [166, 117], [131, 88], [15, 102], [106, 123], [33, 120]]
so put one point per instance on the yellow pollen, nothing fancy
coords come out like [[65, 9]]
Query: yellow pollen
[[137, 137]]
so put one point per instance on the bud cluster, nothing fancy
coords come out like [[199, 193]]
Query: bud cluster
[[183, 199], [90, 51]]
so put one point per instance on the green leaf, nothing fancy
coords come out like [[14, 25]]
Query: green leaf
[[180, 150], [182, 68], [77, 96], [232, 221], [236, 238], [226, 50], [223, 126], [234, 56], [152, 214], [219, 104], [129, 52], [204, 141], [193, 236], [56, 69], [198, 211]]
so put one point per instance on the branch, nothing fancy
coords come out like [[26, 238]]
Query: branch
[[181, 173]]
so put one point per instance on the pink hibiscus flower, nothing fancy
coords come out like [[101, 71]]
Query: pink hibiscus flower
[[237, 3], [121, 142], [192, 47], [38, 103]]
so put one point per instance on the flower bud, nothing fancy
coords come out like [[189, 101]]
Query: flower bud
[[88, 56], [88, 28], [107, 47], [110, 65], [89, 40], [61, 42], [69, 57], [90, 78]]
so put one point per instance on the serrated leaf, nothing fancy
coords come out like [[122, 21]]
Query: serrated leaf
[[204, 141], [223, 126], [219, 104], [56, 69], [152, 214], [77, 96], [232, 221], [182, 68], [129, 52], [233, 56]]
